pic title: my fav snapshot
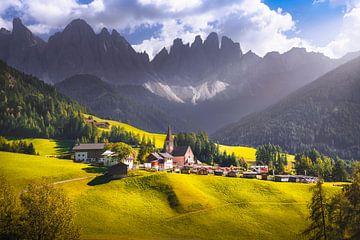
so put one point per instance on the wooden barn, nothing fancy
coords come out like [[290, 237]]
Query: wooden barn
[[202, 171], [231, 174], [117, 171]]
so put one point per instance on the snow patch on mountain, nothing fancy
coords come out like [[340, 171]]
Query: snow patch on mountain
[[183, 94], [162, 90]]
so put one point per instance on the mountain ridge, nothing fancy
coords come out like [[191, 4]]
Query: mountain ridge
[[323, 114]]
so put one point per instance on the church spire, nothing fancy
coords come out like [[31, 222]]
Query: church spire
[[169, 141]]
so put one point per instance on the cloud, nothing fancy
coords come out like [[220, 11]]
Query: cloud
[[250, 22], [348, 39]]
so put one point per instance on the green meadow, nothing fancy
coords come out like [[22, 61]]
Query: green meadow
[[170, 205]]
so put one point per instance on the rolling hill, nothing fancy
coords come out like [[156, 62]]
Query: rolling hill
[[324, 114], [169, 205]]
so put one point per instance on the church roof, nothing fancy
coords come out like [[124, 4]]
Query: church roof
[[179, 151]]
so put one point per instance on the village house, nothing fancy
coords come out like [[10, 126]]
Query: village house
[[160, 161], [109, 158], [95, 153], [183, 155], [88, 152]]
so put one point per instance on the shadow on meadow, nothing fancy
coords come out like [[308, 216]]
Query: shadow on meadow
[[63, 146]]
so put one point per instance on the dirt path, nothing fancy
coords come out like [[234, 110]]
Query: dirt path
[[230, 204], [72, 180]]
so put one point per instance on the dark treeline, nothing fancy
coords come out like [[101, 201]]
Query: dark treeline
[[206, 150], [32, 108], [273, 156], [338, 216], [313, 163], [17, 146]]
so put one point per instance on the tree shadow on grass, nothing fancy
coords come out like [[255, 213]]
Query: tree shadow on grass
[[94, 169], [99, 180]]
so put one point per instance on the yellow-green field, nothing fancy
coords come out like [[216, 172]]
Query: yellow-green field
[[170, 205], [20, 168], [159, 138], [47, 147]]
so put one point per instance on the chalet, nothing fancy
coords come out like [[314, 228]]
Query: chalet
[[183, 155], [88, 152], [105, 125], [109, 158], [129, 160], [160, 161], [282, 178], [117, 171], [260, 169], [90, 120]]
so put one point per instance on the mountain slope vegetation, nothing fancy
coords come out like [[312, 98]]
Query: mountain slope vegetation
[[32, 108], [324, 114]]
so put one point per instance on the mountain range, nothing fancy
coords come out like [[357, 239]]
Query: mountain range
[[206, 84]]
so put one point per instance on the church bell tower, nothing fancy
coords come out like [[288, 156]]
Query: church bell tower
[[169, 141]]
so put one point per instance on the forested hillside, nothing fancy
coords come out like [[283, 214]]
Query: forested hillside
[[31, 108], [324, 114]]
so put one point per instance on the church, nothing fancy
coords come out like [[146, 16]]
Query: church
[[182, 155]]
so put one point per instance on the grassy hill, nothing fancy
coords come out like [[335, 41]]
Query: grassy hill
[[20, 168], [46, 147], [171, 206]]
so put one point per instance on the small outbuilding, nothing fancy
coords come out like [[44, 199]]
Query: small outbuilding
[[117, 171], [202, 171], [218, 172], [250, 174], [231, 174]]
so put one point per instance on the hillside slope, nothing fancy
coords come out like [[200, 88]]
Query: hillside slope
[[324, 114], [171, 206], [31, 108]]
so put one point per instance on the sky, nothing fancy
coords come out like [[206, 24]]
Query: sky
[[327, 26]]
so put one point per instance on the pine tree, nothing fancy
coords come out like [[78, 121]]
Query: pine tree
[[318, 215]]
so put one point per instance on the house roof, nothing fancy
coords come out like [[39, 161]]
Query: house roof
[[179, 151], [166, 155], [89, 146]]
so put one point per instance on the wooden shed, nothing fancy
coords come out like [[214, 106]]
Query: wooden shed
[[218, 172], [231, 174], [117, 171]]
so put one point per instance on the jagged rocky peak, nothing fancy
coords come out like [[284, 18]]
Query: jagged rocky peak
[[22, 36], [78, 28], [198, 42], [227, 44], [4, 31], [104, 32], [212, 41], [178, 46]]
